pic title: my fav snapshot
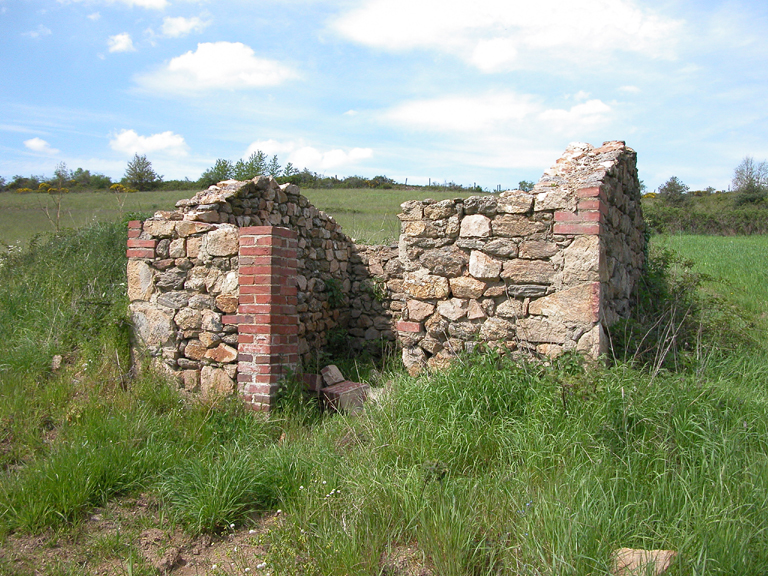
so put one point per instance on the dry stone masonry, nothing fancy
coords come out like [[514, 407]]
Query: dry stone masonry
[[247, 281], [545, 272]]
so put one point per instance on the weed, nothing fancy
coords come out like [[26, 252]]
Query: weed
[[334, 292]]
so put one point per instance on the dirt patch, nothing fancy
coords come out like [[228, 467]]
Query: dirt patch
[[129, 536], [404, 561]]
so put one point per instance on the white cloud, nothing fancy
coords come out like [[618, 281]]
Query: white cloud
[[498, 113], [303, 156], [129, 142], [41, 146], [216, 66], [176, 27], [630, 89], [121, 43], [38, 32], [93, 17], [498, 35], [149, 4], [582, 116]]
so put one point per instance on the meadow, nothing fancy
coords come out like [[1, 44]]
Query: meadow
[[493, 467], [369, 216]]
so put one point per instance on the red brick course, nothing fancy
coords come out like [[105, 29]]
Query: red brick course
[[577, 228]]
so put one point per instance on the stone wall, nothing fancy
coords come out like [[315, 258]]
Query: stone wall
[[541, 272], [185, 276]]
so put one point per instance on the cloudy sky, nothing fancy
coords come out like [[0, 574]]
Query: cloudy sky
[[489, 91]]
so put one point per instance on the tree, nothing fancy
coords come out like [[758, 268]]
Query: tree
[[255, 165], [673, 192], [140, 175], [274, 167], [290, 170], [221, 170], [525, 185], [750, 181]]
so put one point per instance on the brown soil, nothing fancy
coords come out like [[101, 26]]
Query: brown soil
[[130, 537]]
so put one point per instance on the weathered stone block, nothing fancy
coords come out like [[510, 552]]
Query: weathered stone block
[[224, 241], [188, 319], [215, 382], [502, 247], [419, 310], [140, 280], [153, 326], [173, 300], [177, 248], [537, 249], [581, 261], [496, 329], [511, 308], [467, 287], [159, 228], [424, 286], [475, 310], [453, 309], [448, 261], [414, 360], [484, 267], [555, 199], [185, 228], [475, 226], [222, 353], [538, 329], [463, 330], [172, 279], [227, 303], [331, 375], [578, 304], [510, 225], [440, 210], [528, 271], [195, 350], [514, 202]]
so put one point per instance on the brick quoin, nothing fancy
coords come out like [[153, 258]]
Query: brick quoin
[[577, 228], [140, 253], [266, 319], [582, 216]]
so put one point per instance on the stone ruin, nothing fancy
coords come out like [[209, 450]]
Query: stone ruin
[[245, 282]]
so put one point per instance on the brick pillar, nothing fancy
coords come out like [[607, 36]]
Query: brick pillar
[[268, 325]]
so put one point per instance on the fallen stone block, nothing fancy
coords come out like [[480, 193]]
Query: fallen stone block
[[346, 396], [332, 375], [313, 383], [632, 562]]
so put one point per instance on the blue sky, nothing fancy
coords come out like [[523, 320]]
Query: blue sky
[[490, 91]]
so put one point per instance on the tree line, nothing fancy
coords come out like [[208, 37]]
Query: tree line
[[743, 209], [141, 176]]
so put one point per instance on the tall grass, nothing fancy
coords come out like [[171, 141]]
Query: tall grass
[[494, 467]]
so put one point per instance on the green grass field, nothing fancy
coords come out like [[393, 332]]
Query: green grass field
[[369, 216], [494, 467], [737, 266]]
